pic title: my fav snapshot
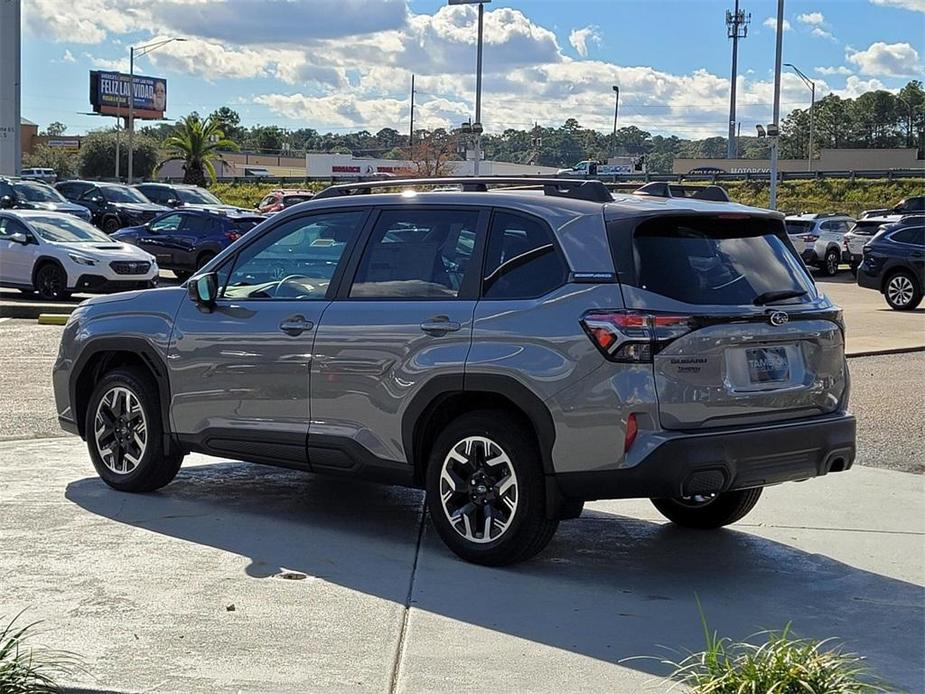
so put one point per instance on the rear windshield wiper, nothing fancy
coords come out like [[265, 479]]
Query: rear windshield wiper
[[772, 297]]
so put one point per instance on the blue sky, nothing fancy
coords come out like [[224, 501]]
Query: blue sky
[[346, 64]]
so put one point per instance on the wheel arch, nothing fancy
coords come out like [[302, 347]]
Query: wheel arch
[[44, 260], [105, 354], [444, 398], [898, 268]]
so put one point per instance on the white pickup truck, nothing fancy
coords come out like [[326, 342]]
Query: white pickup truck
[[625, 165]]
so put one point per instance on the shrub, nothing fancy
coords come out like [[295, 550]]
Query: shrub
[[30, 670], [98, 155]]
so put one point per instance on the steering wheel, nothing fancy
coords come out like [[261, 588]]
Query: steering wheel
[[277, 289]]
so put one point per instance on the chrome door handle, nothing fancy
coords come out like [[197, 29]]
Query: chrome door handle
[[296, 325], [440, 325]]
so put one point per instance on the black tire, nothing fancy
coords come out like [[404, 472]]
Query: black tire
[[527, 530], [153, 469], [51, 282], [902, 291], [203, 259], [715, 512], [182, 275], [830, 263], [111, 225]]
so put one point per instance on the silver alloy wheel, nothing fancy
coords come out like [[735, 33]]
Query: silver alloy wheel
[[831, 263], [478, 489], [120, 430], [900, 290]]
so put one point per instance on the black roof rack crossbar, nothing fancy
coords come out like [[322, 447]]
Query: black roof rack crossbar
[[661, 189], [591, 190]]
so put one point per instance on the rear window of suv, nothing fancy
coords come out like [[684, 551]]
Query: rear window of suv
[[703, 260]]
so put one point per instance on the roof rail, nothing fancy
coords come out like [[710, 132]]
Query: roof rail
[[591, 190], [661, 189]]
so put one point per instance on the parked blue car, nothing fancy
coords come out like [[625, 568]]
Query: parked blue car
[[894, 263], [185, 240]]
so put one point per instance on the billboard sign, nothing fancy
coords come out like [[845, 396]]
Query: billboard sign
[[109, 94]]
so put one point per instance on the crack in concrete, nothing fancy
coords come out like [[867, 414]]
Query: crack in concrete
[[400, 647]]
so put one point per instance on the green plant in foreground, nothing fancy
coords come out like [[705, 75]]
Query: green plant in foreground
[[781, 665], [30, 670]]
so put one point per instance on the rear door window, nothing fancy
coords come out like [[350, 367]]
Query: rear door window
[[521, 259], [913, 235], [715, 261]]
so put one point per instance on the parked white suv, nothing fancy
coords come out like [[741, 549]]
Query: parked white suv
[[819, 238], [55, 254], [43, 175]]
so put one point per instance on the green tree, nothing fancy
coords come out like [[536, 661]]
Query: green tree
[[98, 155], [197, 143], [55, 129], [62, 160], [228, 120]]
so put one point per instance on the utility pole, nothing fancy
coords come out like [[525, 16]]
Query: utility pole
[[411, 130], [775, 139], [812, 108], [478, 95], [738, 139], [616, 110], [10, 92], [737, 23]]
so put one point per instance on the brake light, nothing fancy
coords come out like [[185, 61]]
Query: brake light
[[809, 238], [631, 430], [232, 235], [633, 336]]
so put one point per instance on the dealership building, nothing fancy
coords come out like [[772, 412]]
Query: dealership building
[[828, 160]]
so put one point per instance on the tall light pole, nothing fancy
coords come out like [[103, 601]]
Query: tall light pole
[[477, 125], [736, 28], [616, 110], [812, 104], [775, 138], [139, 51]]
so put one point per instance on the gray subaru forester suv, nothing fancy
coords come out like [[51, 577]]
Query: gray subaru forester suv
[[515, 347]]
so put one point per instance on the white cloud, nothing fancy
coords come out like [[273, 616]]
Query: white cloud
[[771, 23], [839, 70], [855, 86], [68, 57], [887, 60], [823, 34], [913, 5], [114, 64], [580, 38], [812, 18]]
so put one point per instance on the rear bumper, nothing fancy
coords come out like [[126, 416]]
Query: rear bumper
[[703, 463], [850, 258], [809, 256], [867, 280]]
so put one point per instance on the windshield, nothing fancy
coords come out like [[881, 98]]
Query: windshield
[[798, 226], [67, 230], [867, 228], [197, 197], [711, 261], [122, 194], [35, 192]]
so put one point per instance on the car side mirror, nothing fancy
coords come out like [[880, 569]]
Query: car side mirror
[[203, 289], [173, 202], [20, 238], [96, 200], [6, 201]]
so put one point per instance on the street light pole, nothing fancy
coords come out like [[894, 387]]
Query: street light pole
[[142, 50], [478, 95], [776, 117], [616, 110], [812, 108]]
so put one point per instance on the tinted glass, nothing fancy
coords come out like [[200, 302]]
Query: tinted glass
[[798, 226], [196, 225], [704, 261], [36, 192], [244, 225], [6, 189], [67, 229], [290, 200], [167, 224], [197, 196], [866, 228], [911, 235], [73, 190], [122, 194], [522, 261], [416, 254], [296, 260], [8, 227], [914, 204], [155, 193]]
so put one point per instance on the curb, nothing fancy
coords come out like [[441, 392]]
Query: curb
[[885, 352], [32, 311]]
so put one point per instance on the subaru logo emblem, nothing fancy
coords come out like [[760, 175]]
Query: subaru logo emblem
[[779, 318]]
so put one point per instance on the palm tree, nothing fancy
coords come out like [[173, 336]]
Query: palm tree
[[197, 142]]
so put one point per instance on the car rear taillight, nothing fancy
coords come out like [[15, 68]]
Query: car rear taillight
[[232, 235], [632, 336], [809, 238]]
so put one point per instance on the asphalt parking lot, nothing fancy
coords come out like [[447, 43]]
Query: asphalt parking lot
[[186, 590]]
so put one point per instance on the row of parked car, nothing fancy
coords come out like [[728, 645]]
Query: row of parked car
[[884, 247], [100, 237]]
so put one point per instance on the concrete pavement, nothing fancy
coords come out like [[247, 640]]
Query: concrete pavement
[[142, 585]]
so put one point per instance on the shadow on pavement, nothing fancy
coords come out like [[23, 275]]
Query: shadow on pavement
[[608, 587]]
